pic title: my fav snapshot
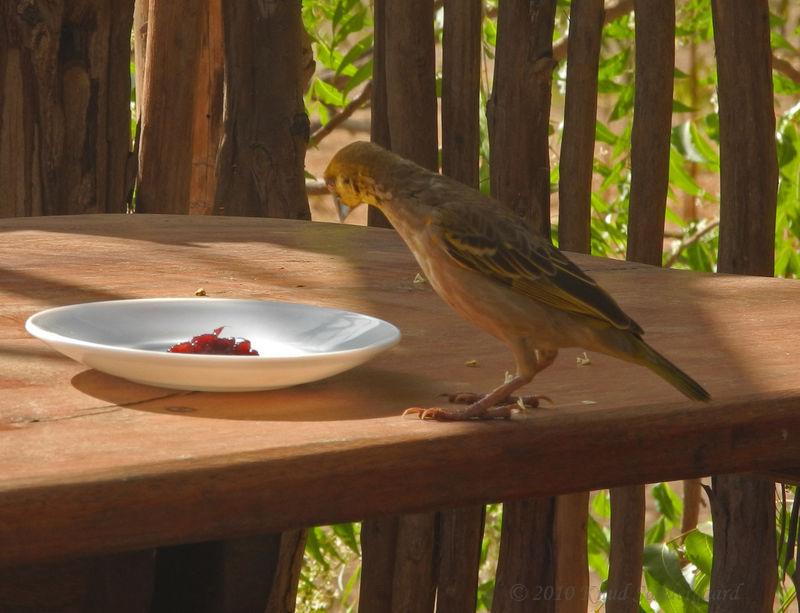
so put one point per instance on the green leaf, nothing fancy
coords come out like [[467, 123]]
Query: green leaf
[[664, 566], [347, 533], [699, 549], [596, 537], [614, 66], [362, 74], [355, 52], [667, 502], [680, 107], [782, 84], [490, 32], [328, 94], [657, 532], [679, 177], [313, 547], [624, 103], [779, 42], [691, 145], [601, 504], [619, 29], [711, 122], [603, 134]]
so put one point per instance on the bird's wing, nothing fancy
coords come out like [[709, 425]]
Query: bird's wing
[[496, 243]]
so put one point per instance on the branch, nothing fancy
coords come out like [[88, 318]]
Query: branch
[[785, 68], [341, 116], [688, 241]]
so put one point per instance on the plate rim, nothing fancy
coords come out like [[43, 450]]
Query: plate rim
[[35, 330]]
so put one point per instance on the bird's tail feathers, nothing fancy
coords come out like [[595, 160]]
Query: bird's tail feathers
[[647, 356]]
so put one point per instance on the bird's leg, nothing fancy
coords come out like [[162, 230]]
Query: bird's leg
[[529, 402], [486, 407], [496, 403]]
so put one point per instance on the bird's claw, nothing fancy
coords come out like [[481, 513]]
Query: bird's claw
[[499, 411], [433, 413]]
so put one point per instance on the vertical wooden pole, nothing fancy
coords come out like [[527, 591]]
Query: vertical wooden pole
[[627, 542], [398, 564], [748, 159], [518, 111], [575, 192], [744, 574], [652, 121], [379, 112], [461, 81], [378, 547], [460, 531], [655, 65], [404, 99], [256, 573], [580, 117], [571, 555], [167, 106], [526, 563], [207, 111], [260, 167]]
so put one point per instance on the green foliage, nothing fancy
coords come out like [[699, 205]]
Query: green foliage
[[341, 35]]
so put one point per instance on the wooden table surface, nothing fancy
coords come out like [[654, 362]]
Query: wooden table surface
[[91, 464]]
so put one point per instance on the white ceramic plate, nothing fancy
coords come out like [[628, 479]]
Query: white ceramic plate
[[297, 343]]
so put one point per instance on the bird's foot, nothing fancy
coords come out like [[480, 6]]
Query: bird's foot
[[527, 402], [476, 408], [500, 411]]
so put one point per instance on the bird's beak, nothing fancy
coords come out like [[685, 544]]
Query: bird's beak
[[342, 210]]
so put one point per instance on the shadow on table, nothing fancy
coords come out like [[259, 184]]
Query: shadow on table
[[362, 393]]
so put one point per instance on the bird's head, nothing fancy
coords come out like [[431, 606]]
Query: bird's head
[[351, 175]]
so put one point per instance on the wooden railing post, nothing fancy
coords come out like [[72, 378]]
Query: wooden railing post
[[518, 111], [261, 162], [744, 574]]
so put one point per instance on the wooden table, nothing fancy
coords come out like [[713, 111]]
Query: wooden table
[[91, 464]]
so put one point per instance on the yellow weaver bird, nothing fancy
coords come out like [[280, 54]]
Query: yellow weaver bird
[[495, 271]]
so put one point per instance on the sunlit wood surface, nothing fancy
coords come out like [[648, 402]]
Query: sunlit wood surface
[[92, 464]]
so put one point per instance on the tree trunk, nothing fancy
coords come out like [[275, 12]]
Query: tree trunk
[[64, 107], [260, 168], [519, 109]]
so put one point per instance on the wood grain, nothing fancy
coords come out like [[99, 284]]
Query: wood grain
[[580, 120], [64, 107], [92, 464], [627, 541], [260, 166], [650, 135], [461, 79], [167, 106], [518, 111], [743, 507]]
